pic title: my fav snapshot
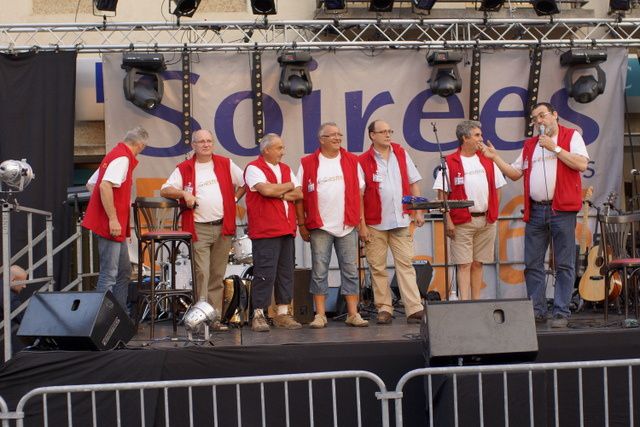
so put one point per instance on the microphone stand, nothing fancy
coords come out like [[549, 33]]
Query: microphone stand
[[445, 211]]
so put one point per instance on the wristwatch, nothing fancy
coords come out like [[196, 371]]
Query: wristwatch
[[557, 150]]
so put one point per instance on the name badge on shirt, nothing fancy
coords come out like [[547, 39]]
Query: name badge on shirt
[[311, 187], [378, 177], [525, 165], [458, 180]]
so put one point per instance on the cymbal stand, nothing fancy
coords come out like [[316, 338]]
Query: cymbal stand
[[445, 211]]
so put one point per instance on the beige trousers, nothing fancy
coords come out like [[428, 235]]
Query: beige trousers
[[211, 255], [400, 242]]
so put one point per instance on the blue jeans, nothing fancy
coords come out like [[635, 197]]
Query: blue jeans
[[536, 241], [115, 269], [347, 253]]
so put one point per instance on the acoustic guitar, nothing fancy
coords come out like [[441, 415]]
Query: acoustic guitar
[[591, 286]]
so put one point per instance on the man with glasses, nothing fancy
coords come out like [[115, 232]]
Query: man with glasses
[[328, 215], [389, 174], [209, 185], [551, 163], [471, 176]]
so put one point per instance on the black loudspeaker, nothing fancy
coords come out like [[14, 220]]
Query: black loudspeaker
[[424, 273], [77, 320], [302, 298], [471, 332]]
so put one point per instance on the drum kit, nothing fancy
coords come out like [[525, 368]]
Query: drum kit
[[237, 283]]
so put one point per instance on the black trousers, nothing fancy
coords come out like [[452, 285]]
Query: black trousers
[[273, 266]]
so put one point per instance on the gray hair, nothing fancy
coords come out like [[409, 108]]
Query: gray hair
[[465, 127], [324, 125], [137, 134], [193, 138], [267, 140]]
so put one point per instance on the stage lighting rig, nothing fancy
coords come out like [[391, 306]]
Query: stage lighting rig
[[490, 5], [200, 315], [295, 79], [263, 7], [585, 88], [335, 5], [423, 5], [445, 79], [105, 5], [143, 84], [545, 7], [381, 5], [184, 7], [15, 174], [619, 6]]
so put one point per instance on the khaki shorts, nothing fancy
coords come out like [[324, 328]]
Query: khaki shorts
[[474, 241]]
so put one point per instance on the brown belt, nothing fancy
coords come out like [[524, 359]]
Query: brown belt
[[478, 213], [217, 222]]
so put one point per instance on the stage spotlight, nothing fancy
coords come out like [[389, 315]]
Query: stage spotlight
[[295, 80], [16, 174], [381, 5], [423, 4], [106, 5], [185, 7], [201, 314], [619, 5], [143, 84], [490, 5], [587, 87], [445, 80], [545, 7], [335, 4], [263, 7]]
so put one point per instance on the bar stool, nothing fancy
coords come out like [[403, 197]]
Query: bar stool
[[156, 227], [620, 254]]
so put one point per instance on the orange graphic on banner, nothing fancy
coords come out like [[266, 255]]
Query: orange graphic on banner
[[510, 274]]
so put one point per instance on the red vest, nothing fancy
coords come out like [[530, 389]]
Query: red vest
[[349, 165], [222, 169], [371, 198], [266, 215], [455, 168], [568, 193], [95, 218]]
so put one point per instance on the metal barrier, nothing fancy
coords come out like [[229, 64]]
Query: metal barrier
[[47, 281], [505, 373], [253, 401]]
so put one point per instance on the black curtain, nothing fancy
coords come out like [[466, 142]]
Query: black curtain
[[37, 112]]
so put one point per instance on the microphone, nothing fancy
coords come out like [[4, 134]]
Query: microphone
[[541, 130], [634, 172]]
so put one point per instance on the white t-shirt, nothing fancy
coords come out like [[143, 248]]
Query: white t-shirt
[[208, 195], [475, 182], [116, 172], [547, 173], [255, 176], [330, 190]]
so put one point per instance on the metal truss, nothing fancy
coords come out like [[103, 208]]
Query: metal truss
[[322, 35]]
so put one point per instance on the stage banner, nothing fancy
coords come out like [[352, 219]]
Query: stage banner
[[352, 88]]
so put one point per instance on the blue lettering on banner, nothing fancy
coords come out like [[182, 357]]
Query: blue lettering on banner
[[357, 120], [99, 83], [415, 113], [590, 172], [175, 118], [311, 121], [491, 112], [223, 122]]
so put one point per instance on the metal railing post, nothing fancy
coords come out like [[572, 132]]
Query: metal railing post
[[6, 277]]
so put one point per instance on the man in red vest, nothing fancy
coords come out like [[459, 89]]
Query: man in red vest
[[389, 174], [551, 163], [471, 176], [209, 186], [272, 190], [107, 214], [328, 215]]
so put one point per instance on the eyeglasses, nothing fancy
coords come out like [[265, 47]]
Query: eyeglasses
[[387, 131], [539, 116], [203, 141], [332, 135]]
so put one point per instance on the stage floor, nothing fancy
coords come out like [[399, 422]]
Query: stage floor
[[586, 322]]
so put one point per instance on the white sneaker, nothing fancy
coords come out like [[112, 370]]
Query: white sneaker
[[356, 320], [319, 322]]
